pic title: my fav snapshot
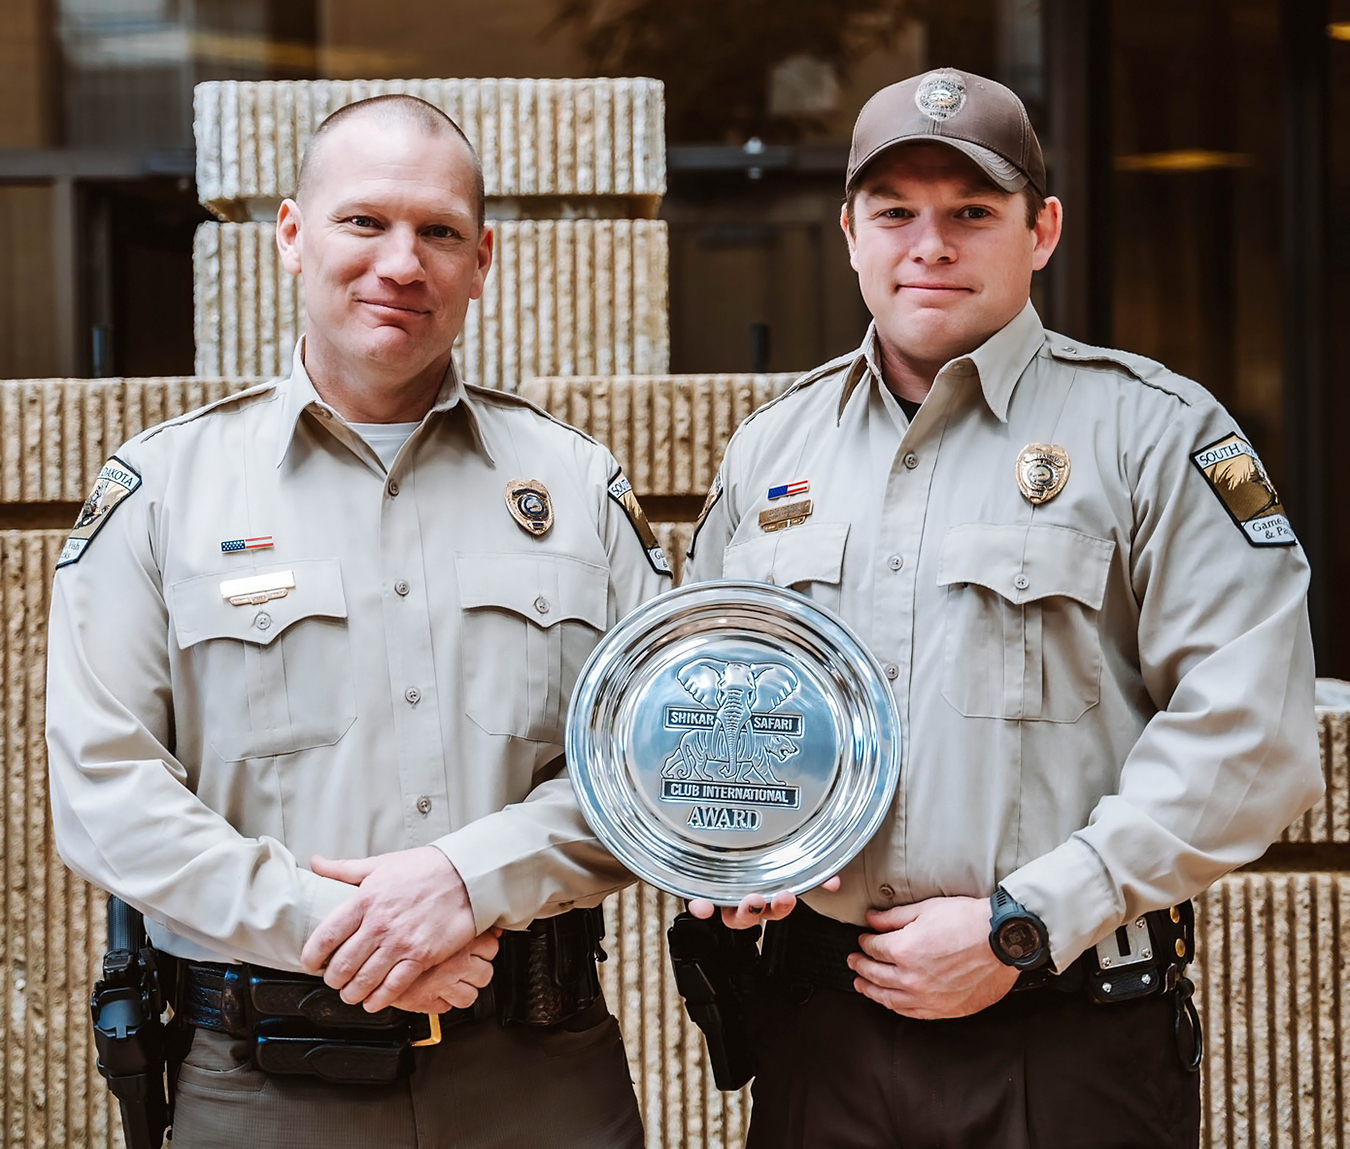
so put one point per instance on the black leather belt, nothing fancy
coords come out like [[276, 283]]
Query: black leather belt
[[544, 976], [299, 1025], [807, 949], [232, 999]]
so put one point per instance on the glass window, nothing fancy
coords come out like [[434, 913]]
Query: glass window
[[1195, 201]]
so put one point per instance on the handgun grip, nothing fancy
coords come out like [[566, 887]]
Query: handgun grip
[[126, 927]]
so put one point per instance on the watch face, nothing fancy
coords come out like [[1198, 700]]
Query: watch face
[[1019, 940]]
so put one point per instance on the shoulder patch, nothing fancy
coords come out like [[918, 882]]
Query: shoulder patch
[[621, 491], [714, 497], [115, 482], [1235, 474]]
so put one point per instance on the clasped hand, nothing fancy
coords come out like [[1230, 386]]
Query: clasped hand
[[406, 938], [927, 960]]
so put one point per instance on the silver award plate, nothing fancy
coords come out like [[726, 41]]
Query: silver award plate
[[730, 738]]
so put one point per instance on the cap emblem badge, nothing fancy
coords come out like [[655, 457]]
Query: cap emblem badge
[[1042, 471], [941, 95]]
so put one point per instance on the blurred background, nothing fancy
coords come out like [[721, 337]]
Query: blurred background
[[1202, 149]]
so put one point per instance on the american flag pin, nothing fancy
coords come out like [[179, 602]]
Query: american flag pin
[[800, 487], [257, 543]]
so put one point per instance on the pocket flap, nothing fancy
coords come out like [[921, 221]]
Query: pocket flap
[[1027, 562], [200, 611], [811, 552], [542, 588]]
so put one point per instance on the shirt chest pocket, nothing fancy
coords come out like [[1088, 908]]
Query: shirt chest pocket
[[808, 558], [1021, 620], [274, 677], [529, 622]]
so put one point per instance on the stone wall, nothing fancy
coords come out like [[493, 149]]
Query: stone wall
[[578, 141], [572, 297], [574, 171]]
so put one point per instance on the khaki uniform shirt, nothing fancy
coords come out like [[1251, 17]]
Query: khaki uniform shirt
[[1107, 698], [410, 690]]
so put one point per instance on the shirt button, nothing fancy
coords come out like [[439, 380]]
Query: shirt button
[[262, 620], [1021, 582], [401, 587], [911, 460], [413, 695], [424, 805], [541, 604], [895, 562], [393, 488], [888, 891], [892, 671]]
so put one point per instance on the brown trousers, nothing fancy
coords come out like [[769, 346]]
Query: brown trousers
[[483, 1087], [1038, 1070]]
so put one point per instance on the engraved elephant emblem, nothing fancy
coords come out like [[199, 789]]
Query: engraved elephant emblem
[[731, 750]]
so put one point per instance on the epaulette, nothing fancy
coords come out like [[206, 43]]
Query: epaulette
[[511, 399], [206, 409], [1147, 371], [824, 371]]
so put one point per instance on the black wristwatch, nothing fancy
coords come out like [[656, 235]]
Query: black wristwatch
[[1016, 935]]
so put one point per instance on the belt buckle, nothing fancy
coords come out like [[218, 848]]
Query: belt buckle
[[434, 1022]]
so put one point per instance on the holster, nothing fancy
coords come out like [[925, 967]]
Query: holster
[[715, 967], [136, 1050], [545, 975]]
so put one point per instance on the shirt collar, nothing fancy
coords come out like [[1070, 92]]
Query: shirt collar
[[999, 360], [300, 396]]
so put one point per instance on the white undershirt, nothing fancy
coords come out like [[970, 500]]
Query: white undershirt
[[385, 439]]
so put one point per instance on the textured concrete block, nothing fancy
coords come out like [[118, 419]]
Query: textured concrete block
[[674, 539], [1272, 977], [556, 138], [669, 432], [59, 432], [51, 923], [564, 297], [681, 1107], [1329, 820]]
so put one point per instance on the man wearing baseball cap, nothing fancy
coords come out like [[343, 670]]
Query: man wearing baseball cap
[[1090, 605]]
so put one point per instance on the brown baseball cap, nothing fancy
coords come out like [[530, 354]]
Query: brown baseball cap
[[978, 117]]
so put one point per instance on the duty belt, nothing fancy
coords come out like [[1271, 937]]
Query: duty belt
[[543, 976], [300, 1026], [807, 949]]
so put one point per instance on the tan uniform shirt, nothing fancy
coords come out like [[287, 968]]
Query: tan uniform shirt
[[1107, 698], [410, 690]]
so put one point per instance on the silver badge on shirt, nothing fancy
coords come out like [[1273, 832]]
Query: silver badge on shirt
[[1042, 471]]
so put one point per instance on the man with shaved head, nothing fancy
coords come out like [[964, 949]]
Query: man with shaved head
[[306, 698]]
